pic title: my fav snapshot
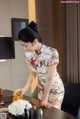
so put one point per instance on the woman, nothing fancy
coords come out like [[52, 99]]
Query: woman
[[43, 61]]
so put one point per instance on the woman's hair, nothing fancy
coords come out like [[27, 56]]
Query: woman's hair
[[30, 33]]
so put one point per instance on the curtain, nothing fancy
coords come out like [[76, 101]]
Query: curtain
[[73, 42]]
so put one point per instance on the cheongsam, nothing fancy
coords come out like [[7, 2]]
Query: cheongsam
[[40, 63]]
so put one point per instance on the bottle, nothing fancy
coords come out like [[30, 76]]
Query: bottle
[[1, 92], [26, 113]]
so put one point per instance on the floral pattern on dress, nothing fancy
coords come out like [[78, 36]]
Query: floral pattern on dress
[[40, 64]]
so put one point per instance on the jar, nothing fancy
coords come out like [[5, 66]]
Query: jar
[[1, 92], [35, 113]]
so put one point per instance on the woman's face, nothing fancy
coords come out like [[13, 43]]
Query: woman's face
[[28, 46]]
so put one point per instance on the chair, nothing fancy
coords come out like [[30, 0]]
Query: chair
[[78, 114], [71, 101]]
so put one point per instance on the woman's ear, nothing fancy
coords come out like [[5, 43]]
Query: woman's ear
[[35, 42]]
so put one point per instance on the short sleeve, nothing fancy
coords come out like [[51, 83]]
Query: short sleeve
[[54, 58]]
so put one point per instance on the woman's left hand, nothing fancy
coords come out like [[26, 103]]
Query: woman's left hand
[[46, 104]]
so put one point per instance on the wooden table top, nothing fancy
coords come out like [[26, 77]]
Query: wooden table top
[[52, 113]]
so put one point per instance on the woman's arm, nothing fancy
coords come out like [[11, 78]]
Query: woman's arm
[[49, 78], [30, 79]]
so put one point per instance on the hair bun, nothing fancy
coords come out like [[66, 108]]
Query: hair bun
[[33, 25]]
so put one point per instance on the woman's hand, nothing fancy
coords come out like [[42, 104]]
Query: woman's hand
[[18, 94], [46, 104], [17, 91]]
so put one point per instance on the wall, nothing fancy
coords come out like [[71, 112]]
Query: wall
[[44, 18], [13, 73]]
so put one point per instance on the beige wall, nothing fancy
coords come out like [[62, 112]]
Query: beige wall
[[13, 73], [10, 9]]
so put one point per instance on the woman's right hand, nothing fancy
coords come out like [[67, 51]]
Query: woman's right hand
[[21, 91], [18, 94]]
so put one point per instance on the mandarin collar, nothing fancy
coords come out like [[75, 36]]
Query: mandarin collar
[[41, 50]]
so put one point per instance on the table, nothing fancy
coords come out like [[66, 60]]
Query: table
[[52, 113], [8, 96]]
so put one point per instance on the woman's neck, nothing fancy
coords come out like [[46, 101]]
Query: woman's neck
[[39, 46]]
